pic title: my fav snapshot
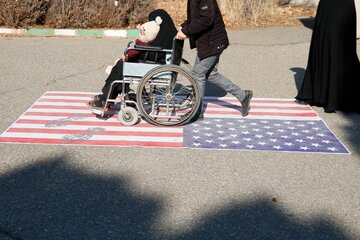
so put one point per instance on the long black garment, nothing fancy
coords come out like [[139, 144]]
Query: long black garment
[[163, 39], [332, 76]]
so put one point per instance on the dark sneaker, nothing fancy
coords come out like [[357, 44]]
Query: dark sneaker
[[245, 103], [97, 103], [97, 97]]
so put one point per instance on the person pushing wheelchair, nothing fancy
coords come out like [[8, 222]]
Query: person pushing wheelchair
[[206, 31]]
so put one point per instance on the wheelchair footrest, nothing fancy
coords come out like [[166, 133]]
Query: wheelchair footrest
[[97, 111], [102, 112]]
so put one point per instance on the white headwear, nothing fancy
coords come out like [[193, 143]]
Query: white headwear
[[150, 29]]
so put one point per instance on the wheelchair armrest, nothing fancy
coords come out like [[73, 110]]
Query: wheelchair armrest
[[129, 43], [147, 48], [156, 58], [142, 48]]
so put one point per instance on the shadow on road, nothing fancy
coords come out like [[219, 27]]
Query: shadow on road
[[308, 22], [211, 90], [298, 76], [53, 200], [352, 130], [261, 220]]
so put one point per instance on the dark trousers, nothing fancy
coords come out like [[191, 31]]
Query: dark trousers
[[115, 74]]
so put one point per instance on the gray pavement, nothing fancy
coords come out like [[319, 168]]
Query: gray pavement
[[77, 192]]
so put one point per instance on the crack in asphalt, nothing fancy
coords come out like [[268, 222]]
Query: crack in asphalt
[[52, 82], [269, 45], [72, 75], [9, 91]]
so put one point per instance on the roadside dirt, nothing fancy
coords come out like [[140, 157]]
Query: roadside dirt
[[283, 16]]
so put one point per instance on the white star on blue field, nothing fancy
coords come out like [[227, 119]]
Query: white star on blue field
[[267, 135]]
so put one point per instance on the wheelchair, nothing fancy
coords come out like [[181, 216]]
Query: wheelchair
[[163, 92]]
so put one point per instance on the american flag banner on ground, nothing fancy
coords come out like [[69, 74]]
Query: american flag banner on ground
[[281, 125]]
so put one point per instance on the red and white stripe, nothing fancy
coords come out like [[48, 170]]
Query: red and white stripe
[[260, 108], [65, 118]]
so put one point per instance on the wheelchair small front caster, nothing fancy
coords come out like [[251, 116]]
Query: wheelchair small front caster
[[128, 116]]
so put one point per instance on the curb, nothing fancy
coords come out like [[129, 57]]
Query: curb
[[71, 32]]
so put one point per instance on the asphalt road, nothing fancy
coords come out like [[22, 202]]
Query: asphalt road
[[77, 192]]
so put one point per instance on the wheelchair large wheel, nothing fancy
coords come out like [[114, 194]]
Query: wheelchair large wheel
[[168, 95]]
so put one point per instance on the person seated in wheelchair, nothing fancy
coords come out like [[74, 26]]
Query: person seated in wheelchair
[[159, 31]]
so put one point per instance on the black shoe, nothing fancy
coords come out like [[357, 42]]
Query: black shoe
[[97, 97], [97, 103], [245, 103], [302, 102]]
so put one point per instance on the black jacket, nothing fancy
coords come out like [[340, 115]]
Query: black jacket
[[205, 28]]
